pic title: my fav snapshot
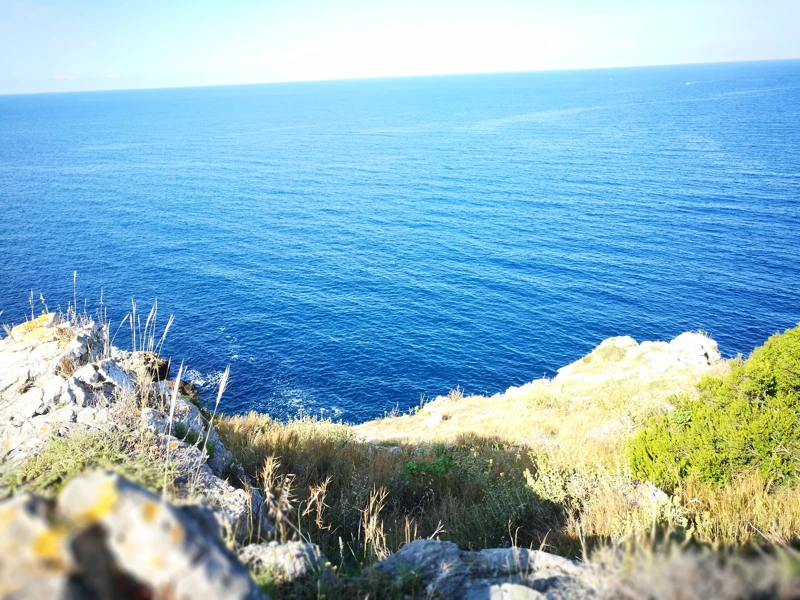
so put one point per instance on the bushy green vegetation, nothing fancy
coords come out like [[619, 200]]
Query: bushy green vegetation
[[747, 421]]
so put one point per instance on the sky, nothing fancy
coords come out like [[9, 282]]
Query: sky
[[49, 46]]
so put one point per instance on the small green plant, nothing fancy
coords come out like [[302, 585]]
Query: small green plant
[[441, 466], [179, 430]]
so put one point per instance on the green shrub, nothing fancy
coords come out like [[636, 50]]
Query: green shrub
[[749, 420], [182, 432], [179, 430]]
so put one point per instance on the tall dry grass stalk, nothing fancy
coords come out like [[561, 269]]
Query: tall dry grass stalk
[[278, 491], [223, 384], [372, 532], [145, 338], [172, 403]]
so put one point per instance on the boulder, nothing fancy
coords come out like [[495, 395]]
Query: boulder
[[106, 538], [287, 562], [111, 373], [495, 573]]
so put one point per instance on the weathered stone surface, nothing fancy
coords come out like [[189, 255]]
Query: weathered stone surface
[[239, 513], [113, 374], [504, 591], [287, 562], [75, 392], [495, 573], [153, 542], [29, 546], [188, 414], [88, 375], [153, 420], [29, 404], [94, 416]]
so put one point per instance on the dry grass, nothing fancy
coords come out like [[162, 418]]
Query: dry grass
[[585, 418], [747, 510], [482, 493], [747, 513], [376, 499], [359, 503], [671, 572]]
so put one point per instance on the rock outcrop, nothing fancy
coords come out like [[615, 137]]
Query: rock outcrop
[[59, 378], [620, 382], [497, 573], [107, 538], [685, 358], [51, 373], [287, 562]]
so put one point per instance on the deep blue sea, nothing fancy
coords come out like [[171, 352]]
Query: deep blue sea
[[349, 246]]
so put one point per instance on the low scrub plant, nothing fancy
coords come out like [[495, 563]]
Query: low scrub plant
[[63, 458], [747, 421]]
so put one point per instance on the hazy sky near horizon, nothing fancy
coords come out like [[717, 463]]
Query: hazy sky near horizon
[[73, 45]]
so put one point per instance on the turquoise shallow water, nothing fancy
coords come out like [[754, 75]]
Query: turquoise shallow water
[[349, 246]]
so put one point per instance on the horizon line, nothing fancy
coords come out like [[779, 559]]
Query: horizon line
[[382, 77]]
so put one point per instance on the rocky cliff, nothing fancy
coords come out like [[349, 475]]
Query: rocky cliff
[[98, 535]]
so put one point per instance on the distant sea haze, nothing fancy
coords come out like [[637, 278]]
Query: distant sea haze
[[351, 246]]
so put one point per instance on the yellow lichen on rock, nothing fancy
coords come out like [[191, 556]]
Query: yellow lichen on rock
[[150, 511], [106, 500], [37, 330], [176, 533], [6, 517], [48, 546]]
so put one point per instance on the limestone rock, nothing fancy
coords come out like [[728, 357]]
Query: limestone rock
[[110, 371], [287, 562], [434, 419], [94, 416], [154, 543], [75, 392], [27, 540], [29, 404], [648, 496], [494, 573], [240, 513], [88, 376], [153, 420]]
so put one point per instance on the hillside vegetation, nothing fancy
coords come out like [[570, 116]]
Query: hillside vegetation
[[557, 464]]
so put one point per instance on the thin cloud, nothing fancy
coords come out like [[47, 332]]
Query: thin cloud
[[113, 75], [66, 77]]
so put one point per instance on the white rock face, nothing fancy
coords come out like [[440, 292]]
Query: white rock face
[[111, 373], [58, 381], [622, 359]]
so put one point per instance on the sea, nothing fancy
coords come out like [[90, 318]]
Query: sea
[[354, 247]]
